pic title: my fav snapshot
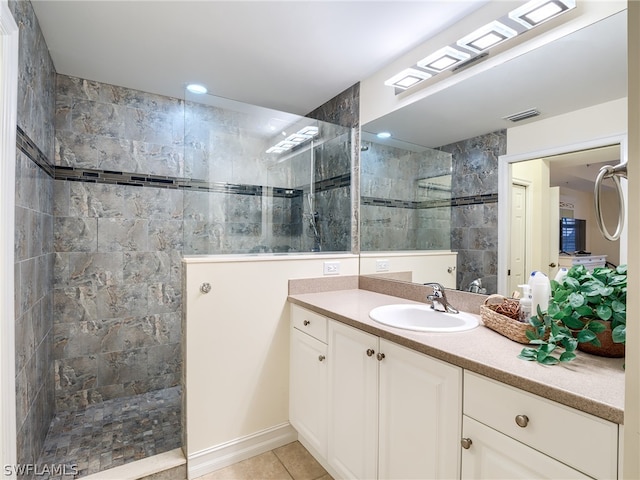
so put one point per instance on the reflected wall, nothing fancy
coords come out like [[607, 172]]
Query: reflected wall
[[405, 197], [248, 192]]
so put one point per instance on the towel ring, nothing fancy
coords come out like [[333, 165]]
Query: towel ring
[[614, 173]]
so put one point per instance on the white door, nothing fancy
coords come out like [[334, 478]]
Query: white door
[[353, 402], [517, 261], [308, 389], [493, 455], [419, 415]]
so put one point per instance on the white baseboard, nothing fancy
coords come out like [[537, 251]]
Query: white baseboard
[[225, 454]]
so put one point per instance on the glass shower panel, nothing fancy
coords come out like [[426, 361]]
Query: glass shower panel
[[253, 180], [405, 201]]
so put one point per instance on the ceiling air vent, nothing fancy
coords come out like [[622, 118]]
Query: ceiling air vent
[[516, 117]]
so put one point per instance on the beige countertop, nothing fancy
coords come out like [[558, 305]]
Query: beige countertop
[[591, 384]]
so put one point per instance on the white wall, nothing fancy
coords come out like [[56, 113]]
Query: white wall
[[599, 121], [236, 350]]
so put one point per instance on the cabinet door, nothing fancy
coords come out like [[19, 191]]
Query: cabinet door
[[353, 402], [493, 455], [420, 415], [308, 389]]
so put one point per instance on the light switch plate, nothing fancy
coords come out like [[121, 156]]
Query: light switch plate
[[383, 265]]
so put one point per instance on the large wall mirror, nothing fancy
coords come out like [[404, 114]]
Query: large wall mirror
[[440, 171]]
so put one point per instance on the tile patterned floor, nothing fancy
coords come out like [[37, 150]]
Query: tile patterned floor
[[114, 432], [290, 462]]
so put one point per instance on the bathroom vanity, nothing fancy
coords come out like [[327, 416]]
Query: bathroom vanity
[[371, 401]]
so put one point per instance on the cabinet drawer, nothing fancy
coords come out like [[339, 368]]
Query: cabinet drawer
[[561, 432], [309, 322]]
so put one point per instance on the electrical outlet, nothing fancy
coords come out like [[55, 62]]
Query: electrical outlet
[[331, 268], [382, 265]]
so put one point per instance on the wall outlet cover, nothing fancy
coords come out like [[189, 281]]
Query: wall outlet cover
[[331, 268], [383, 265]]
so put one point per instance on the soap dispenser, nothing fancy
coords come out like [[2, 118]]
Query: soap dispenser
[[525, 304]]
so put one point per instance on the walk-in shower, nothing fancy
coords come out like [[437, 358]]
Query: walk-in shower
[[201, 175]]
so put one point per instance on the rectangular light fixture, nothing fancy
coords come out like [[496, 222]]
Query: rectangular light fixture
[[407, 78], [443, 59], [536, 12], [301, 136], [487, 36]]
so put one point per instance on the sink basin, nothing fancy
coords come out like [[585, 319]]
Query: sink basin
[[422, 318]]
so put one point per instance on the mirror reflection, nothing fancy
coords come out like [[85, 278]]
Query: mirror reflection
[[467, 121]]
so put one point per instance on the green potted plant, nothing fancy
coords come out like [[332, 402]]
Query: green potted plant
[[585, 308]]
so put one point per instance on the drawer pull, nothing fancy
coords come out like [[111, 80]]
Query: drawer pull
[[466, 443], [380, 357], [306, 323], [370, 352], [522, 420], [205, 287], [321, 358]]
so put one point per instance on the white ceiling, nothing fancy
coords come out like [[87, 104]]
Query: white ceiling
[[287, 55]]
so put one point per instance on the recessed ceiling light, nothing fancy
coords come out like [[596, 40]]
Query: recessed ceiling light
[[407, 78], [487, 36], [443, 59], [383, 135], [537, 11], [197, 88]]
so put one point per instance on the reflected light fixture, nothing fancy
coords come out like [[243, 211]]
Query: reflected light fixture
[[407, 78], [443, 59], [486, 37], [197, 88], [295, 139], [383, 135], [537, 11]]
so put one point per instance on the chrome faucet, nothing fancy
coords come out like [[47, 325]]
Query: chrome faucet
[[439, 300]]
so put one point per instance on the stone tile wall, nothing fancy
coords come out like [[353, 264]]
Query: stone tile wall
[[117, 274], [474, 232], [397, 214], [34, 255]]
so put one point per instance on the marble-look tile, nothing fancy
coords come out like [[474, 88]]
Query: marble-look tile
[[153, 203], [122, 235], [95, 200], [75, 304], [72, 234], [164, 297], [82, 338], [148, 267], [166, 235], [123, 366], [117, 301], [75, 374]]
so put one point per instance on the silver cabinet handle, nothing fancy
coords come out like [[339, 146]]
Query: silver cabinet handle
[[321, 358], [370, 352], [380, 357], [522, 420], [466, 443], [205, 287]]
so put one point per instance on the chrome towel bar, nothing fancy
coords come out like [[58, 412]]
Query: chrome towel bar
[[614, 173]]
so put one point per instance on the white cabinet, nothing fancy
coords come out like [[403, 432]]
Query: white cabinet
[[393, 412], [308, 379], [492, 455], [420, 401], [532, 432], [353, 402]]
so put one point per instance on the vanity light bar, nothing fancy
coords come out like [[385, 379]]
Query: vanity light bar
[[295, 139], [535, 12], [443, 59], [529, 15], [486, 37], [407, 78]]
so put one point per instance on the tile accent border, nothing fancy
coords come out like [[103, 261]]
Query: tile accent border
[[453, 202], [76, 174]]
